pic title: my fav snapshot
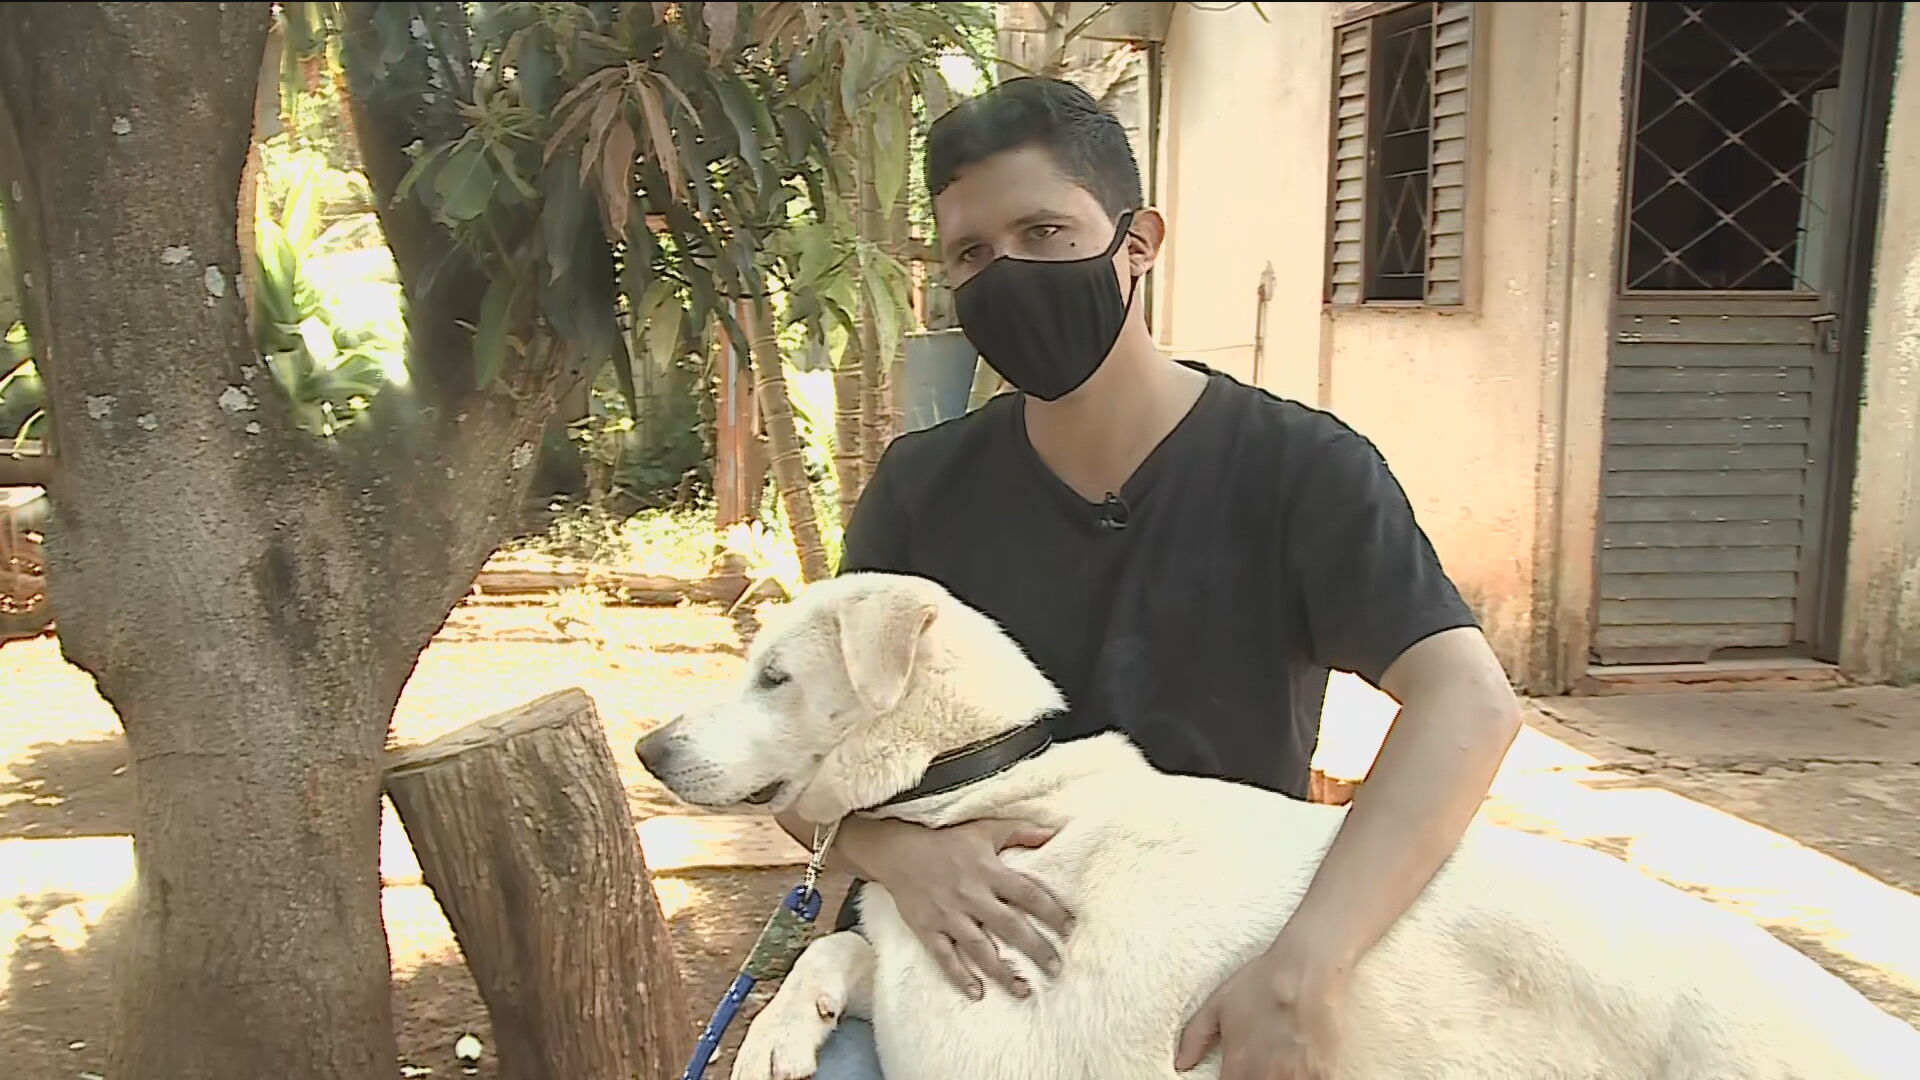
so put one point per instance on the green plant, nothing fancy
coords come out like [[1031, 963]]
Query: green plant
[[331, 339], [23, 398]]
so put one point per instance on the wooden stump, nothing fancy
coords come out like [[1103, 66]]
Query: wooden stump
[[522, 830]]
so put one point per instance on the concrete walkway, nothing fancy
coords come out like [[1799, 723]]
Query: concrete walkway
[[1799, 810]]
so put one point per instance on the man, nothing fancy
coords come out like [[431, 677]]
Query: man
[[1186, 557]]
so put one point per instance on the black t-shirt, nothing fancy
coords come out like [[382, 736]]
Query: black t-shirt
[[1264, 543]]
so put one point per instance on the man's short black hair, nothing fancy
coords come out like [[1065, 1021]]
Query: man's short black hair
[[1087, 143]]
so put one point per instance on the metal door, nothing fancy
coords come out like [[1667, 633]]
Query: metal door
[[1726, 360]]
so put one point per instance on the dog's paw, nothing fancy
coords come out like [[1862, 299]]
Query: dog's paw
[[783, 1043]]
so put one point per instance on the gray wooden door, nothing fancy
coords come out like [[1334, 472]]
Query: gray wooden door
[[1724, 365]]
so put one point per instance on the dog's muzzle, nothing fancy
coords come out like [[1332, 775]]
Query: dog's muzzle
[[655, 750]]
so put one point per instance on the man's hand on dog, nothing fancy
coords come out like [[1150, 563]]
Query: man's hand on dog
[[952, 888], [1274, 1020]]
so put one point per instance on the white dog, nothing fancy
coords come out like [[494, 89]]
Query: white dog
[[1524, 959]]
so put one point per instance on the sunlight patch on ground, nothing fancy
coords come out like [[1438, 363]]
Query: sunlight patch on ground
[[417, 932], [55, 892], [1550, 787], [1789, 888]]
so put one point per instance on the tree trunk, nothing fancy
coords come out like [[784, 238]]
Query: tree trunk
[[789, 466], [248, 599], [876, 414], [522, 830], [255, 945], [848, 467], [899, 233]]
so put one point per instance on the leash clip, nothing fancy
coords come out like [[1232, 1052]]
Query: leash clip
[[780, 943]]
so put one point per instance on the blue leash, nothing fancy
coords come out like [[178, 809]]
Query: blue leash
[[780, 943]]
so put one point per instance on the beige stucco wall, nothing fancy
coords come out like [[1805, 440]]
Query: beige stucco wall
[[1491, 417], [1458, 402], [1244, 153], [1881, 628]]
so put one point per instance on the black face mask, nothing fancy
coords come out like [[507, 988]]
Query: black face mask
[[1046, 327]]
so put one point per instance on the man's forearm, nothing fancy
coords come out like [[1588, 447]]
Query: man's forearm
[[1431, 776]]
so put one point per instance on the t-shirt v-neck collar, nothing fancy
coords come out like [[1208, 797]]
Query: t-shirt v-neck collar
[[1135, 489]]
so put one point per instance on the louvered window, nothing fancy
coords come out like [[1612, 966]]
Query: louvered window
[[1401, 111]]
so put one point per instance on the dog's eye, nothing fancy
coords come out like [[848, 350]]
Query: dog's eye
[[772, 677]]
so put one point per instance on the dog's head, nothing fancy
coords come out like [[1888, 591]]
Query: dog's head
[[849, 692]]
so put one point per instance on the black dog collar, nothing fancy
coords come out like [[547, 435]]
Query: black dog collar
[[956, 769]]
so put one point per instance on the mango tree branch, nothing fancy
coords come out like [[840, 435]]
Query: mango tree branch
[[403, 96]]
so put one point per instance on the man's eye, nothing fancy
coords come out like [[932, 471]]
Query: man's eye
[[772, 677], [1044, 232]]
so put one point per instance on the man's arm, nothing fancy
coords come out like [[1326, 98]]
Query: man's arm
[[1378, 603], [1458, 717]]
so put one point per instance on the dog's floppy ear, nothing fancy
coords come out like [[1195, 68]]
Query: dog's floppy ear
[[880, 635]]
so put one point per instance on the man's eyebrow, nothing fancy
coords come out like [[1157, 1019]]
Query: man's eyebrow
[[1041, 217]]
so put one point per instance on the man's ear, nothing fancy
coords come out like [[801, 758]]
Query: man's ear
[[880, 636], [1145, 235]]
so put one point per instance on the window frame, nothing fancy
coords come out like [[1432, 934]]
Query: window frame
[[1450, 277]]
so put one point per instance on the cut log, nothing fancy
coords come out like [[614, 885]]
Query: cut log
[[641, 589], [522, 831]]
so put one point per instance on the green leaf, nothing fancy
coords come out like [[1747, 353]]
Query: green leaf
[[840, 315], [563, 210], [418, 172], [534, 72], [802, 306], [734, 102], [503, 158], [881, 296], [643, 251], [853, 64], [466, 184], [890, 124], [816, 255], [623, 373], [796, 132], [391, 28], [936, 91], [490, 338], [664, 316]]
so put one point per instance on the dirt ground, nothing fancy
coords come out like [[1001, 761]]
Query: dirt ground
[[1798, 810], [65, 811]]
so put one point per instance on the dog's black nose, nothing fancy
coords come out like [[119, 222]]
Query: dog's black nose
[[655, 750]]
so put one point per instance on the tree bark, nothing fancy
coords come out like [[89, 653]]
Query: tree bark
[[522, 830], [255, 945], [848, 466], [789, 466], [249, 599], [899, 234], [876, 416]]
